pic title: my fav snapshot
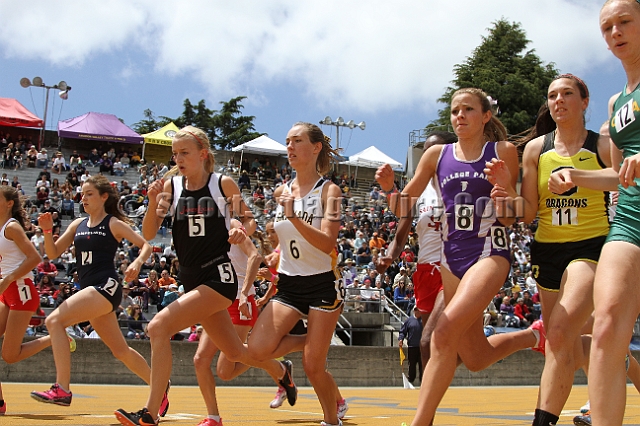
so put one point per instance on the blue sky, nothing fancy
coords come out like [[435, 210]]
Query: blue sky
[[381, 62]]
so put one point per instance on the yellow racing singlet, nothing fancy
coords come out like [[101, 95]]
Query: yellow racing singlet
[[578, 214]]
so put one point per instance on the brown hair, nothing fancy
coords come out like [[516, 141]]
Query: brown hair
[[17, 211], [327, 154], [494, 130], [202, 140], [103, 186], [544, 122]]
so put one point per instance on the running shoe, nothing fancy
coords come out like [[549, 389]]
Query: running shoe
[[3, 408], [287, 382], [55, 395], [140, 418], [72, 343], [538, 329], [209, 422], [342, 408], [327, 424], [585, 408], [281, 395], [583, 420], [164, 405]]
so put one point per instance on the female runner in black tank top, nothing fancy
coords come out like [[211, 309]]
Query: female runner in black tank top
[[202, 234], [96, 239]]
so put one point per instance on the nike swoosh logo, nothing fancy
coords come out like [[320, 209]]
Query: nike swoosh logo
[[582, 159]]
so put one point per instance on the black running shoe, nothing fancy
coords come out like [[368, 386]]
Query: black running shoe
[[140, 418], [583, 420], [287, 382]]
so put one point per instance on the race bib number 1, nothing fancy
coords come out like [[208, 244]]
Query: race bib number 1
[[25, 293]]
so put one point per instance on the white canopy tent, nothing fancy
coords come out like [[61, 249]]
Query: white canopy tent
[[372, 158], [261, 145]]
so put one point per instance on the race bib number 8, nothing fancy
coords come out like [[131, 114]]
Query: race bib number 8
[[565, 216], [464, 217], [499, 237]]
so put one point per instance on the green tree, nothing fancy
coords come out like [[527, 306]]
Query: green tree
[[150, 123], [233, 128], [501, 67]]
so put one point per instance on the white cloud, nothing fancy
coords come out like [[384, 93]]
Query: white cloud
[[369, 55]]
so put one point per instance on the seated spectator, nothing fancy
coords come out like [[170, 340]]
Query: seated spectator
[[162, 265], [45, 291], [59, 163], [94, 158], [507, 310], [195, 336], [363, 255], [106, 165], [243, 181], [125, 302], [67, 207], [42, 160], [125, 160], [170, 296], [345, 248], [154, 293], [32, 156], [17, 160], [165, 279], [400, 297], [135, 159], [408, 256], [376, 242], [136, 322], [369, 296], [523, 313], [65, 291], [46, 267], [402, 276], [118, 168]]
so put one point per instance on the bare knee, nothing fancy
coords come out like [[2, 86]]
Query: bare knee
[[201, 362], [257, 352], [442, 337], [121, 352], [10, 357], [314, 368], [155, 330], [225, 371]]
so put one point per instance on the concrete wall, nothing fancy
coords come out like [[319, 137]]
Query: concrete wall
[[351, 366]]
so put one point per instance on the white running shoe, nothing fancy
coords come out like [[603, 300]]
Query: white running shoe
[[585, 408], [281, 396], [342, 408]]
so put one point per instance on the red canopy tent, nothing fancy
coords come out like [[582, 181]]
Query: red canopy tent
[[14, 114]]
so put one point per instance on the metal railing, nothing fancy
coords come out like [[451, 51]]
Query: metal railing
[[364, 300], [344, 329]]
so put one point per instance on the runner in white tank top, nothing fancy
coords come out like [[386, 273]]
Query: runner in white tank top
[[307, 224], [18, 296]]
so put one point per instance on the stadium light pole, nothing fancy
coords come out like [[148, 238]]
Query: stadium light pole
[[341, 123], [64, 95]]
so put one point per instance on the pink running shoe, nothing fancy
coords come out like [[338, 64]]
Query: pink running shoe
[[3, 408], [538, 328], [55, 395], [281, 395], [209, 422], [164, 405]]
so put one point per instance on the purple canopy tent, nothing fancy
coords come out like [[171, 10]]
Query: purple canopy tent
[[96, 126]]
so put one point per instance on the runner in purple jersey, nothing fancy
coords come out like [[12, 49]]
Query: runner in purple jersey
[[471, 231], [474, 267]]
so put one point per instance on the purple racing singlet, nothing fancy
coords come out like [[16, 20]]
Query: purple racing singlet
[[470, 230]]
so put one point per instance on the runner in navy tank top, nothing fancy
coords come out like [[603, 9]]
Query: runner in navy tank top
[[475, 260], [96, 239], [203, 204]]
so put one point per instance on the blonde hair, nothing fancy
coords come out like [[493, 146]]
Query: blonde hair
[[202, 140], [494, 130], [327, 154]]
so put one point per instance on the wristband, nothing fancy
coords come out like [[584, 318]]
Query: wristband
[[242, 228], [393, 190], [47, 231]]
